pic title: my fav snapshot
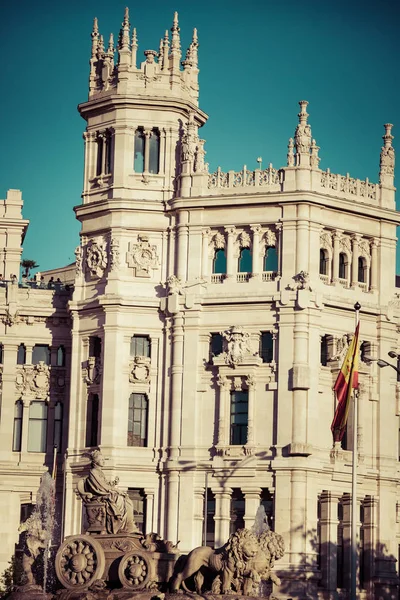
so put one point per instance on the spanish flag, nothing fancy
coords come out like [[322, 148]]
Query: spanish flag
[[346, 381]]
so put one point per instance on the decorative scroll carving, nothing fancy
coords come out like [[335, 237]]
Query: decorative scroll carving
[[218, 241], [33, 381], [96, 258], [270, 238], [142, 256], [139, 370], [244, 240], [325, 240]]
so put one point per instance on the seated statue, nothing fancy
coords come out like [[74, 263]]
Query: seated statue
[[95, 488]]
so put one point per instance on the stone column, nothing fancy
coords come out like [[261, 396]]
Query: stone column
[[298, 495], [224, 387], [172, 506], [123, 148], [230, 270], [163, 145], [252, 502], [355, 239], [205, 253], [147, 135], [374, 265], [328, 539], [256, 229], [301, 382], [251, 386], [28, 354], [336, 251], [8, 398], [150, 524], [302, 238], [182, 246], [222, 516]]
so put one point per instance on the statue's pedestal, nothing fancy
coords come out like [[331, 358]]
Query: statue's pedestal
[[123, 594]]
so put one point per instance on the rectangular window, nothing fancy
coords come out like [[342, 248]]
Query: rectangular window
[[137, 420], [324, 351], [138, 163], [237, 510], [210, 527], [267, 346], [92, 420], [215, 345], [100, 149], [17, 433], [37, 430], [58, 419], [140, 346], [239, 417], [41, 353], [154, 152], [95, 346], [137, 497], [21, 354]]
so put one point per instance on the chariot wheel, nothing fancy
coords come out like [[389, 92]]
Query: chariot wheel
[[79, 562], [134, 570]]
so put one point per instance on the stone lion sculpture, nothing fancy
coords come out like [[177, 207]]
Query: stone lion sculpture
[[240, 564]]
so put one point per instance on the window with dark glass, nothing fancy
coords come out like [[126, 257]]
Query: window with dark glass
[[108, 152], [95, 346], [60, 356], [137, 420], [100, 150], [239, 417], [17, 433], [210, 525], [92, 421], [237, 510], [140, 345], [324, 351], [342, 266], [271, 259], [267, 501], [323, 262], [41, 353], [219, 261], [266, 346], [245, 261], [58, 420], [104, 143], [215, 344], [1, 354], [137, 497], [361, 269], [37, 428], [21, 355], [138, 162], [154, 152]]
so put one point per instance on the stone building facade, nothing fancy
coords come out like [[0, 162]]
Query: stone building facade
[[208, 320]]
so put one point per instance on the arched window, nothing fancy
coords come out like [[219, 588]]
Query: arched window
[[154, 152], [21, 355], [342, 266], [92, 421], [41, 353], [17, 433], [137, 420], [271, 259], [245, 261], [138, 163], [323, 262], [37, 429], [58, 419], [361, 269], [219, 262], [60, 356]]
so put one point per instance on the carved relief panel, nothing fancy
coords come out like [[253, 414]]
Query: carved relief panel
[[142, 256]]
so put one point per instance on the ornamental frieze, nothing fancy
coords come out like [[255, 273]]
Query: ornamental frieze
[[142, 256], [33, 381]]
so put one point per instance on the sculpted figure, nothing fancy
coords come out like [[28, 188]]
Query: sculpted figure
[[95, 487], [35, 540]]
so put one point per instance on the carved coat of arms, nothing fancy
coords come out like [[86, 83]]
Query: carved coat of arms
[[139, 369], [34, 381], [96, 258], [237, 345], [142, 257]]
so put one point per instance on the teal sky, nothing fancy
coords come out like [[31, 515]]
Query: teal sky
[[257, 60]]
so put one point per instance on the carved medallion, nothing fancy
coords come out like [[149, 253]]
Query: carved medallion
[[142, 257], [96, 258]]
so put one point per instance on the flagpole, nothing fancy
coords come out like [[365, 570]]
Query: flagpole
[[354, 516]]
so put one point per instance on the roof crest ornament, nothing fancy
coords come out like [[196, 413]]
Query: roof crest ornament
[[387, 158], [302, 137]]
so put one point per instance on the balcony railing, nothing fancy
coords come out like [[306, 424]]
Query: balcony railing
[[242, 277], [349, 185], [324, 278], [268, 275], [217, 277]]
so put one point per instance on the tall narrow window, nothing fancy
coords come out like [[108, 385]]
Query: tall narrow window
[[21, 355], [342, 266], [17, 433], [215, 344], [58, 420], [60, 356], [210, 525], [237, 510], [239, 417], [323, 262], [361, 269], [271, 259], [1, 353], [267, 501], [324, 351], [245, 261], [41, 353], [92, 420], [154, 152], [219, 262], [138, 163], [266, 347], [95, 346], [140, 345], [137, 420], [37, 429], [99, 161], [137, 497], [108, 151]]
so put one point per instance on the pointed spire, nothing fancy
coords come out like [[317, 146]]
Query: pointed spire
[[387, 158], [124, 33], [134, 47], [95, 37], [193, 48], [100, 47], [302, 137], [160, 54], [176, 40], [165, 51], [111, 49]]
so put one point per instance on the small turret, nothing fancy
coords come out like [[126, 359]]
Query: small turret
[[95, 45], [175, 54], [124, 54], [387, 158], [302, 137]]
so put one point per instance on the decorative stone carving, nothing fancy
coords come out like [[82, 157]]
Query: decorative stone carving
[[270, 238], [114, 254], [237, 346], [345, 244], [244, 240], [92, 370], [302, 137], [36, 539], [174, 285], [387, 153], [325, 240], [199, 165], [223, 382], [96, 258], [250, 381], [290, 153], [301, 281], [342, 345], [10, 318], [314, 158], [218, 241], [33, 381], [142, 256], [139, 370], [78, 260], [364, 248]]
